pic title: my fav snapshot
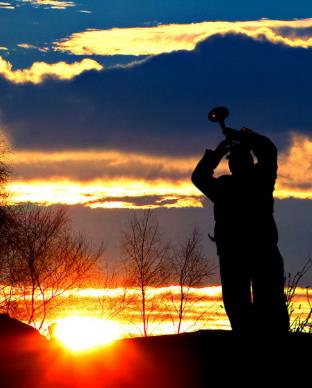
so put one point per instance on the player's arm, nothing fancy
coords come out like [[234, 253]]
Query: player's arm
[[202, 176], [262, 147]]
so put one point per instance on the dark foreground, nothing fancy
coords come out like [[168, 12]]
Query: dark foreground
[[201, 359]]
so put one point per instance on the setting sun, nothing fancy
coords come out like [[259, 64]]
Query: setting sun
[[82, 333]]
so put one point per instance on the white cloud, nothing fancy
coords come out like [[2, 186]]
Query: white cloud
[[54, 4], [28, 46], [39, 71], [6, 5]]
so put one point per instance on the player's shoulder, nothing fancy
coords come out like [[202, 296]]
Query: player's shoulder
[[224, 179]]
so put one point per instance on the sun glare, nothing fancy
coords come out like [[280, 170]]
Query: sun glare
[[82, 333]]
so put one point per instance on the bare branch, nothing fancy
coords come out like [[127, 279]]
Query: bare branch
[[44, 259], [145, 255]]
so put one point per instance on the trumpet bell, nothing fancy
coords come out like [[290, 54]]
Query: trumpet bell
[[218, 114]]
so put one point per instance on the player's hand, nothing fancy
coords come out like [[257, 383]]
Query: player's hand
[[231, 134], [223, 148]]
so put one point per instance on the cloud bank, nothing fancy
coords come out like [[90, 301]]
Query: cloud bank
[[130, 137], [167, 38], [160, 106]]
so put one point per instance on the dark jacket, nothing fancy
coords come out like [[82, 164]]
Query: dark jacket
[[243, 204]]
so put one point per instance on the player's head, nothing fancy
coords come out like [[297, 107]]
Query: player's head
[[240, 159]]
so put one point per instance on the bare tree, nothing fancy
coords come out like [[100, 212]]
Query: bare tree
[[145, 254], [116, 296], [5, 171], [190, 268], [302, 322], [6, 221], [44, 259]]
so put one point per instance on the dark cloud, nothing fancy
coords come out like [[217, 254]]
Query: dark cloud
[[304, 186], [294, 31], [161, 105], [112, 167]]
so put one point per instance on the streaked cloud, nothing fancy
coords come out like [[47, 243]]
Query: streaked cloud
[[84, 11], [89, 165], [54, 4], [6, 5], [120, 180], [103, 179], [205, 309], [28, 46], [39, 71], [167, 38], [117, 193]]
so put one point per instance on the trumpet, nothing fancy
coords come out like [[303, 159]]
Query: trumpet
[[218, 115]]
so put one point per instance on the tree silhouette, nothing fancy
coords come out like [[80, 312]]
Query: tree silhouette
[[190, 268], [43, 260], [146, 255]]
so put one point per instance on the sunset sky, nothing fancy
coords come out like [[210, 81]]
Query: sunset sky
[[104, 105]]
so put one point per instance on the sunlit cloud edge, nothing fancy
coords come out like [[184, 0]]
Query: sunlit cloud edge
[[166, 38], [40, 71]]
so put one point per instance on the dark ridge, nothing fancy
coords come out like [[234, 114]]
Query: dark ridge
[[200, 359]]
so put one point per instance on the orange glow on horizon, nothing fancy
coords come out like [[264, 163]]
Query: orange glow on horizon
[[204, 311], [115, 179], [79, 333]]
